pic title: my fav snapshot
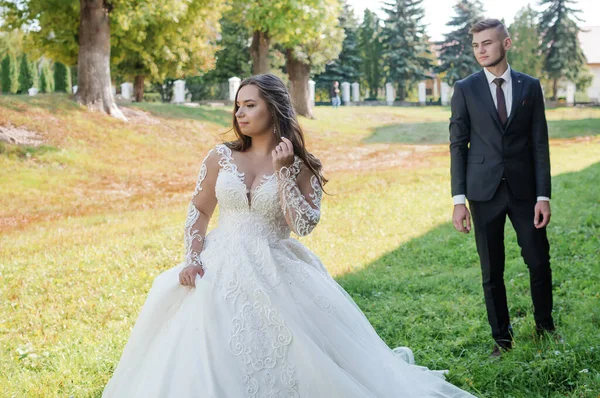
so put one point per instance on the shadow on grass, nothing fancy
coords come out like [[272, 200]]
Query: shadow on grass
[[427, 294], [437, 132], [218, 116], [411, 133]]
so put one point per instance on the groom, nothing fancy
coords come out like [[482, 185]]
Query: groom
[[500, 162]]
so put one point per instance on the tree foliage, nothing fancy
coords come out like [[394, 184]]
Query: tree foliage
[[311, 47], [405, 45], [371, 51], [348, 66], [233, 56], [62, 78], [28, 76], [154, 38], [456, 53], [562, 53], [10, 74], [46, 77], [160, 38], [525, 55]]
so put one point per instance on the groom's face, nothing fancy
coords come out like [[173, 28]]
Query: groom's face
[[490, 46]]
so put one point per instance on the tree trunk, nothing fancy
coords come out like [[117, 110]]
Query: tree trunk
[[299, 74], [260, 53], [138, 89], [554, 89], [93, 65]]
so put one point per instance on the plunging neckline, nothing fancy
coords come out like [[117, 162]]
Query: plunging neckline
[[249, 193], [227, 163]]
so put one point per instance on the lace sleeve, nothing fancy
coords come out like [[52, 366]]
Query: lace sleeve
[[200, 209], [300, 194]]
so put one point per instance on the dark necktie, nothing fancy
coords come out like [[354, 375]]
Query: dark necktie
[[501, 100]]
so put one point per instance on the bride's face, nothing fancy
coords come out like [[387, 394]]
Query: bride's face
[[252, 114]]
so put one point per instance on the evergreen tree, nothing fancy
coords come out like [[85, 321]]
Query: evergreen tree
[[456, 52], [524, 55], [62, 78], [10, 74], [371, 51], [233, 57], [4, 80], [347, 68], [405, 45], [28, 74], [560, 46], [46, 78]]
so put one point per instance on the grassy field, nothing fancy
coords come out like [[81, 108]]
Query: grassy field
[[436, 132], [90, 218]]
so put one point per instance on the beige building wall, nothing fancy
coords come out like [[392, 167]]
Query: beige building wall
[[589, 39], [593, 92]]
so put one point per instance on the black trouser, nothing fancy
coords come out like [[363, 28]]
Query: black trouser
[[489, 218]]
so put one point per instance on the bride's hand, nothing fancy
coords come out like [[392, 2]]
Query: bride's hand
[[283, 154], [187, 276]]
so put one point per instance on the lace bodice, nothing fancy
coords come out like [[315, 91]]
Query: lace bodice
[[256, 211], [281, 203]]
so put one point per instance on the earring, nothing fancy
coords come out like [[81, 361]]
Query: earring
[[275, 129]]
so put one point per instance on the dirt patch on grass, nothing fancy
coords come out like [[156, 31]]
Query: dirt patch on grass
[[19, 136], [374, 157], [156, 190], [139, 116], [173, 188], [574, 140], [88, 200]]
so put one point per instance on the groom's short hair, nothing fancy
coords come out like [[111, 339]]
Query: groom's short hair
[[486, 24]]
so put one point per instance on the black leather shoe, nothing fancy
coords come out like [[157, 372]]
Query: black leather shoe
[[540, 330], [551, 334], [500, 348], [496, 352]]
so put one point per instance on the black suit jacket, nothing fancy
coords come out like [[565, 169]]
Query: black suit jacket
[[482, 151]]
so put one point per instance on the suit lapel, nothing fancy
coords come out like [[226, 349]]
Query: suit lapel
[[482, 90], [517, 90]]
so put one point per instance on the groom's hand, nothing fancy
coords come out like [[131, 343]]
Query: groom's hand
[[461, 218], [542, 214]]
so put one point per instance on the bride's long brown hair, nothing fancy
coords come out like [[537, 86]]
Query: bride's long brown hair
[[277, 97]]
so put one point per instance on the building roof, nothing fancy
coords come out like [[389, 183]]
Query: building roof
[[590, 43]]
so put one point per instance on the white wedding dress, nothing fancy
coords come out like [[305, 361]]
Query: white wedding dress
[[267, 319]]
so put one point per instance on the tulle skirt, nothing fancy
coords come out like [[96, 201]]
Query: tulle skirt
[[266, 320]]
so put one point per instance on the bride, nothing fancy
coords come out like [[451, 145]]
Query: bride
[[252, 312]]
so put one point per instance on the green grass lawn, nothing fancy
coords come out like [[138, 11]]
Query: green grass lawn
[[72, 284], [427, 292], [217, 115], [437, 132]]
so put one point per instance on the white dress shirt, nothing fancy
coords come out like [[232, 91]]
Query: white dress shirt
[[507, 88]]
